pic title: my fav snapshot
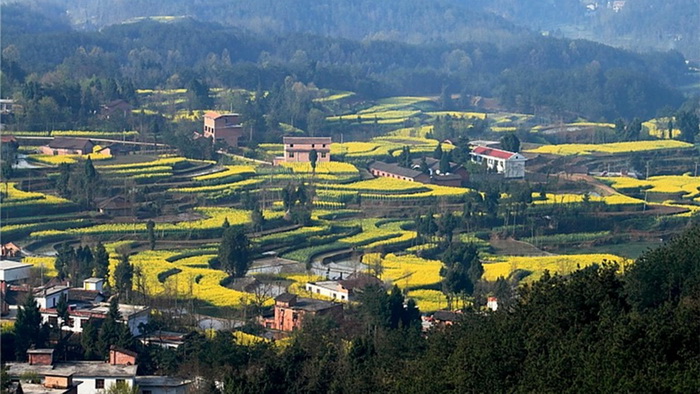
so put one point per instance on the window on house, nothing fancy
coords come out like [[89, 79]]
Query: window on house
[[342, 297], [99, 383], [53, 321], [120, 381], [291, 145], [324, 145], [313, 145], [323, 155], [291, 154]]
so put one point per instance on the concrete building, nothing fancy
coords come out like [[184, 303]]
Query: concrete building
[[329, 288], [80, 313], [290, 311], [344, 289], [49, 297], [223, 127], [392, 170], [12, 271], [92, 376], [68, 146], [510, 164], [7, 106], [297, 149]]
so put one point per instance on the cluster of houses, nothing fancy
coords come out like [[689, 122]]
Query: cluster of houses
[[86, 304]]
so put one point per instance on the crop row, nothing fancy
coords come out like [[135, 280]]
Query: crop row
[[612, 148]]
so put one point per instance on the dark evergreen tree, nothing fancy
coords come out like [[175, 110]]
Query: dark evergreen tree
[[124, 276], [234, 252], [101, 261], [510, 142], [28, 328]]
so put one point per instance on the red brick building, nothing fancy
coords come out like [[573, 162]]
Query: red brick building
[[290, 311], [223, 127]]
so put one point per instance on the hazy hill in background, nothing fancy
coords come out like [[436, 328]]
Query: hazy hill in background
[[633, 24], [376, 49]]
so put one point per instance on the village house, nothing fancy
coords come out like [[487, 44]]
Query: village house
[[115, 206], [510, 164], [223, 127], [345, 289], [68, 146], [117, 107], [79, 314], [91, 377], [297, 149], [455, 176], [413, 174], [10, 271], [391, 170], [10, 250], [290, 311]]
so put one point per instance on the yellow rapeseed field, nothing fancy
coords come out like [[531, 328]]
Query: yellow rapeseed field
[[685, 185], [612, 148], [562, 264]]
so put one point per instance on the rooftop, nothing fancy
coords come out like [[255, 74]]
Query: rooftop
[[330, 285], [395, 169], [313, 305], [6, 265], [306, 140], [69, 143], [497, 153], [94, 280], [47, 291], [159, 381], [217, 115], [77, 368]]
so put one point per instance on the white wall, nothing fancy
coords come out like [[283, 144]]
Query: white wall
[[11, 275], [88, 383], [324, 291], [49, 301]]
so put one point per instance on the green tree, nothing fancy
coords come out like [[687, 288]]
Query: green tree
[[313, 159], [257, 218], [510, 142], [234, 252], [28, 328], [124, 275], [101, 261], [113, 331], [688, 123], [122, 387], [444, 164], [89, 340], [437, 153], [151, 228], [424, 166], [62, 309]]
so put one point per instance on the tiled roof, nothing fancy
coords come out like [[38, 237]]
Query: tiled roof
[[394, 169], [69, 143], [497, 153]]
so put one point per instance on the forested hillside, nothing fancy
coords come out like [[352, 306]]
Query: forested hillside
[[636, 24], [532, 74]]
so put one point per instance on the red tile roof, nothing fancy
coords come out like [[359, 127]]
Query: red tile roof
[[212, 114], [500, 154]]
